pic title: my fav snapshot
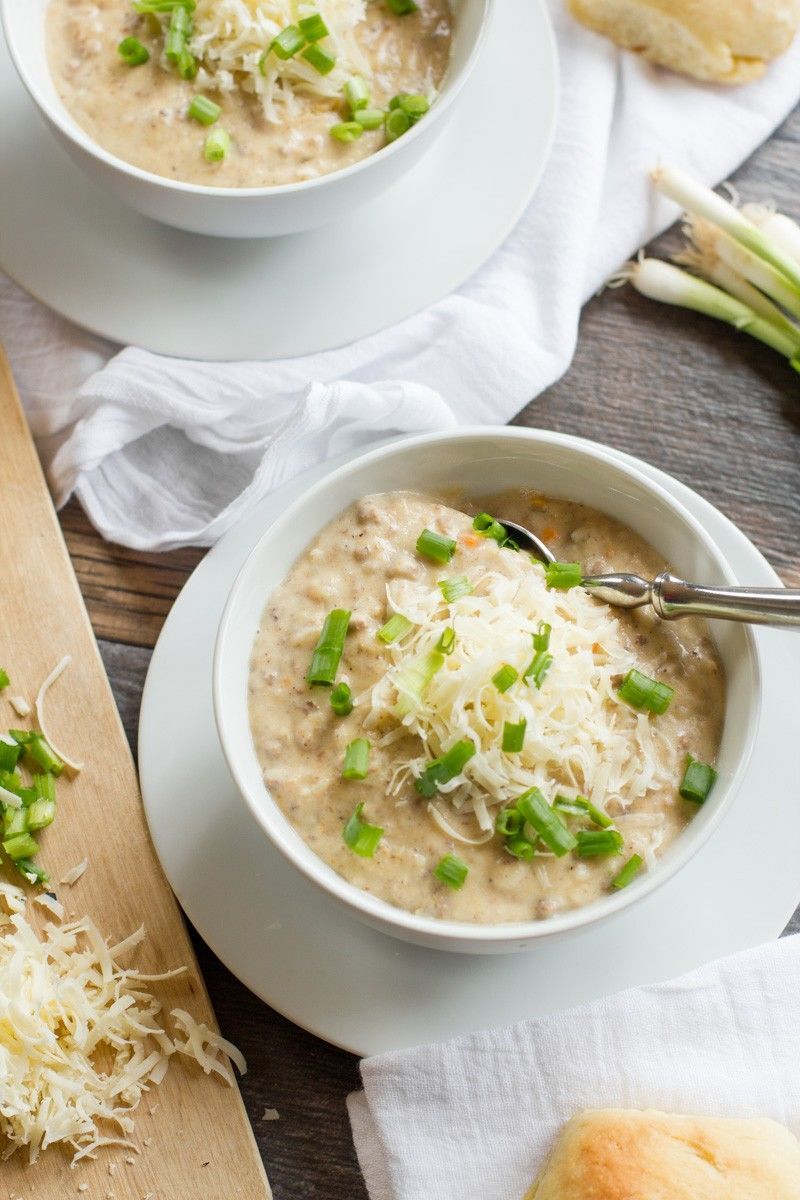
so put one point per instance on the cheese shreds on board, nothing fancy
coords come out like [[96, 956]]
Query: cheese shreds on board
[[72, 768], [580, 739], [81, 1036]]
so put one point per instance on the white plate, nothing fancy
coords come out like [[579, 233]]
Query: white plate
[[102, 265], [369, 993]]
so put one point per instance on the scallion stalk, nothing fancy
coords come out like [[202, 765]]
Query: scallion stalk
[[396, 124], [31, 871], [520, 847], [509, 822], [162, 6], [180, 26], [21, 846], [537, 668]]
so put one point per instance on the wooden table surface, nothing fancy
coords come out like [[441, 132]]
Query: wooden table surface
[[708, 405]]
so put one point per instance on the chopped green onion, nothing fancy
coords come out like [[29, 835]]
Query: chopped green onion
[[359, 836], [319, 59], [580, 806], [342, 700], [187, 69], [15, 822], [132, 52], [509, 822], [204, 110], [454, 589], [413, 106], [505, 678], [45, 787], [546, 821], [21, 846], [628, 872], [451, 871], [9, 756], [521, 847], [30, 871], [402, 8], [698, 780], [180, 27], [412, 680], [395, 628], [217, 145], [11, 781], [447, 642], [595, 842], [41, 814], [640, 691], [356, 93], [487, 526], [313, 27], [328, 650], [4, 679], [563, 575], [27, 795], [436, 546], [371, 118], [538, 667], [356, 760], [541, 640], [38, 750], [287, 43], [442, 770], [347, 131], [396, 124], [162, 6], [514, 736]]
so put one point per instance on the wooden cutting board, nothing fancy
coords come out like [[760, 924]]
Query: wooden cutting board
[[202, 1146]]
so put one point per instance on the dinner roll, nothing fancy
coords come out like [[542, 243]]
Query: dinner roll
[[722, 41], [624, 1154]]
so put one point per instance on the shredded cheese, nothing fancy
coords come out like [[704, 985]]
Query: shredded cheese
[[72, 768], [81, 1037], [20, 705], [74, 873], [580, 738]]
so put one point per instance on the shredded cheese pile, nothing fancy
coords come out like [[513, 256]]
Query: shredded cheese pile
[[230, 38], [81, 1037], [580, 738]]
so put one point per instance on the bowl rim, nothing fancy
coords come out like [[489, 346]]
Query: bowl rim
[[433, 930], [70, 128]]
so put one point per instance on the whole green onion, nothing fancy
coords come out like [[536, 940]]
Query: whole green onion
[[15, 822], [356, 93], [204, 110], [546, 822], [342, 699], [347, 131], [395, 628], [287, 43], [361, 838], [505, 678], [41, 814], [451, 871], [445, 768], [514, 736], [454, 589], [698, 780], [640, 691], [132, 52], [435, 546], [592, 843], [328, 650], [356, 760], [319, 59], [628, 872], [313, 27], [563, 575]]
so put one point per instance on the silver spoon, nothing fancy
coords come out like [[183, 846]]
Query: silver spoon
[[672, 597]]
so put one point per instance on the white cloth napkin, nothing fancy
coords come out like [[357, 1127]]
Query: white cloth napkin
[[475, 1118], [164, 453]]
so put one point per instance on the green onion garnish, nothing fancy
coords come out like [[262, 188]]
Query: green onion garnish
[[442, 770], [347, 131], [287, 43], [628, 872], [162, 6], [412, 680], [454, 589], [313, 28], [180, 27], [342, 700], [451, 871], [402, 8], [538, 667], [520, 847], [580, 806], [204, 110], [436, 546], [488, 527], [546, 821], [132, 52], [356, 760], [594, 842], [9, 756], [505, 678], [395, 628], [371, 118], [187, 64], [514, 736], [698, 780], [356, 93], [319, 59], [328, 650], [359, 836], [30, 871], [217, 145], [396, 124], [509, 822], [413, 106], [4, 679], [21, 846], [640, 691], [541, 640], [447, 642], [563, 575]]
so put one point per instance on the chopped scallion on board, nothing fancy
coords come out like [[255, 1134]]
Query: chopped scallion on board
[[361, 838], [451, 871]]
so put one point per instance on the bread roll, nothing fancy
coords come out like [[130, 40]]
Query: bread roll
[[623, 1154], [723, 41]]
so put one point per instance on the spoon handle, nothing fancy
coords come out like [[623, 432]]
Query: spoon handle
[[672, 597]]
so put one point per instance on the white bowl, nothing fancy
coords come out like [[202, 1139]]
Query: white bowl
[[481, 461], [239, 212]]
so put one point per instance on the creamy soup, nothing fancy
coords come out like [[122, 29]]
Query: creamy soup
[[139, 113], [630, 767]]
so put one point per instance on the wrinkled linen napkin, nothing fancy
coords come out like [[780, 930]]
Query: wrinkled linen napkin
[[475, 1118], [164, 453]]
